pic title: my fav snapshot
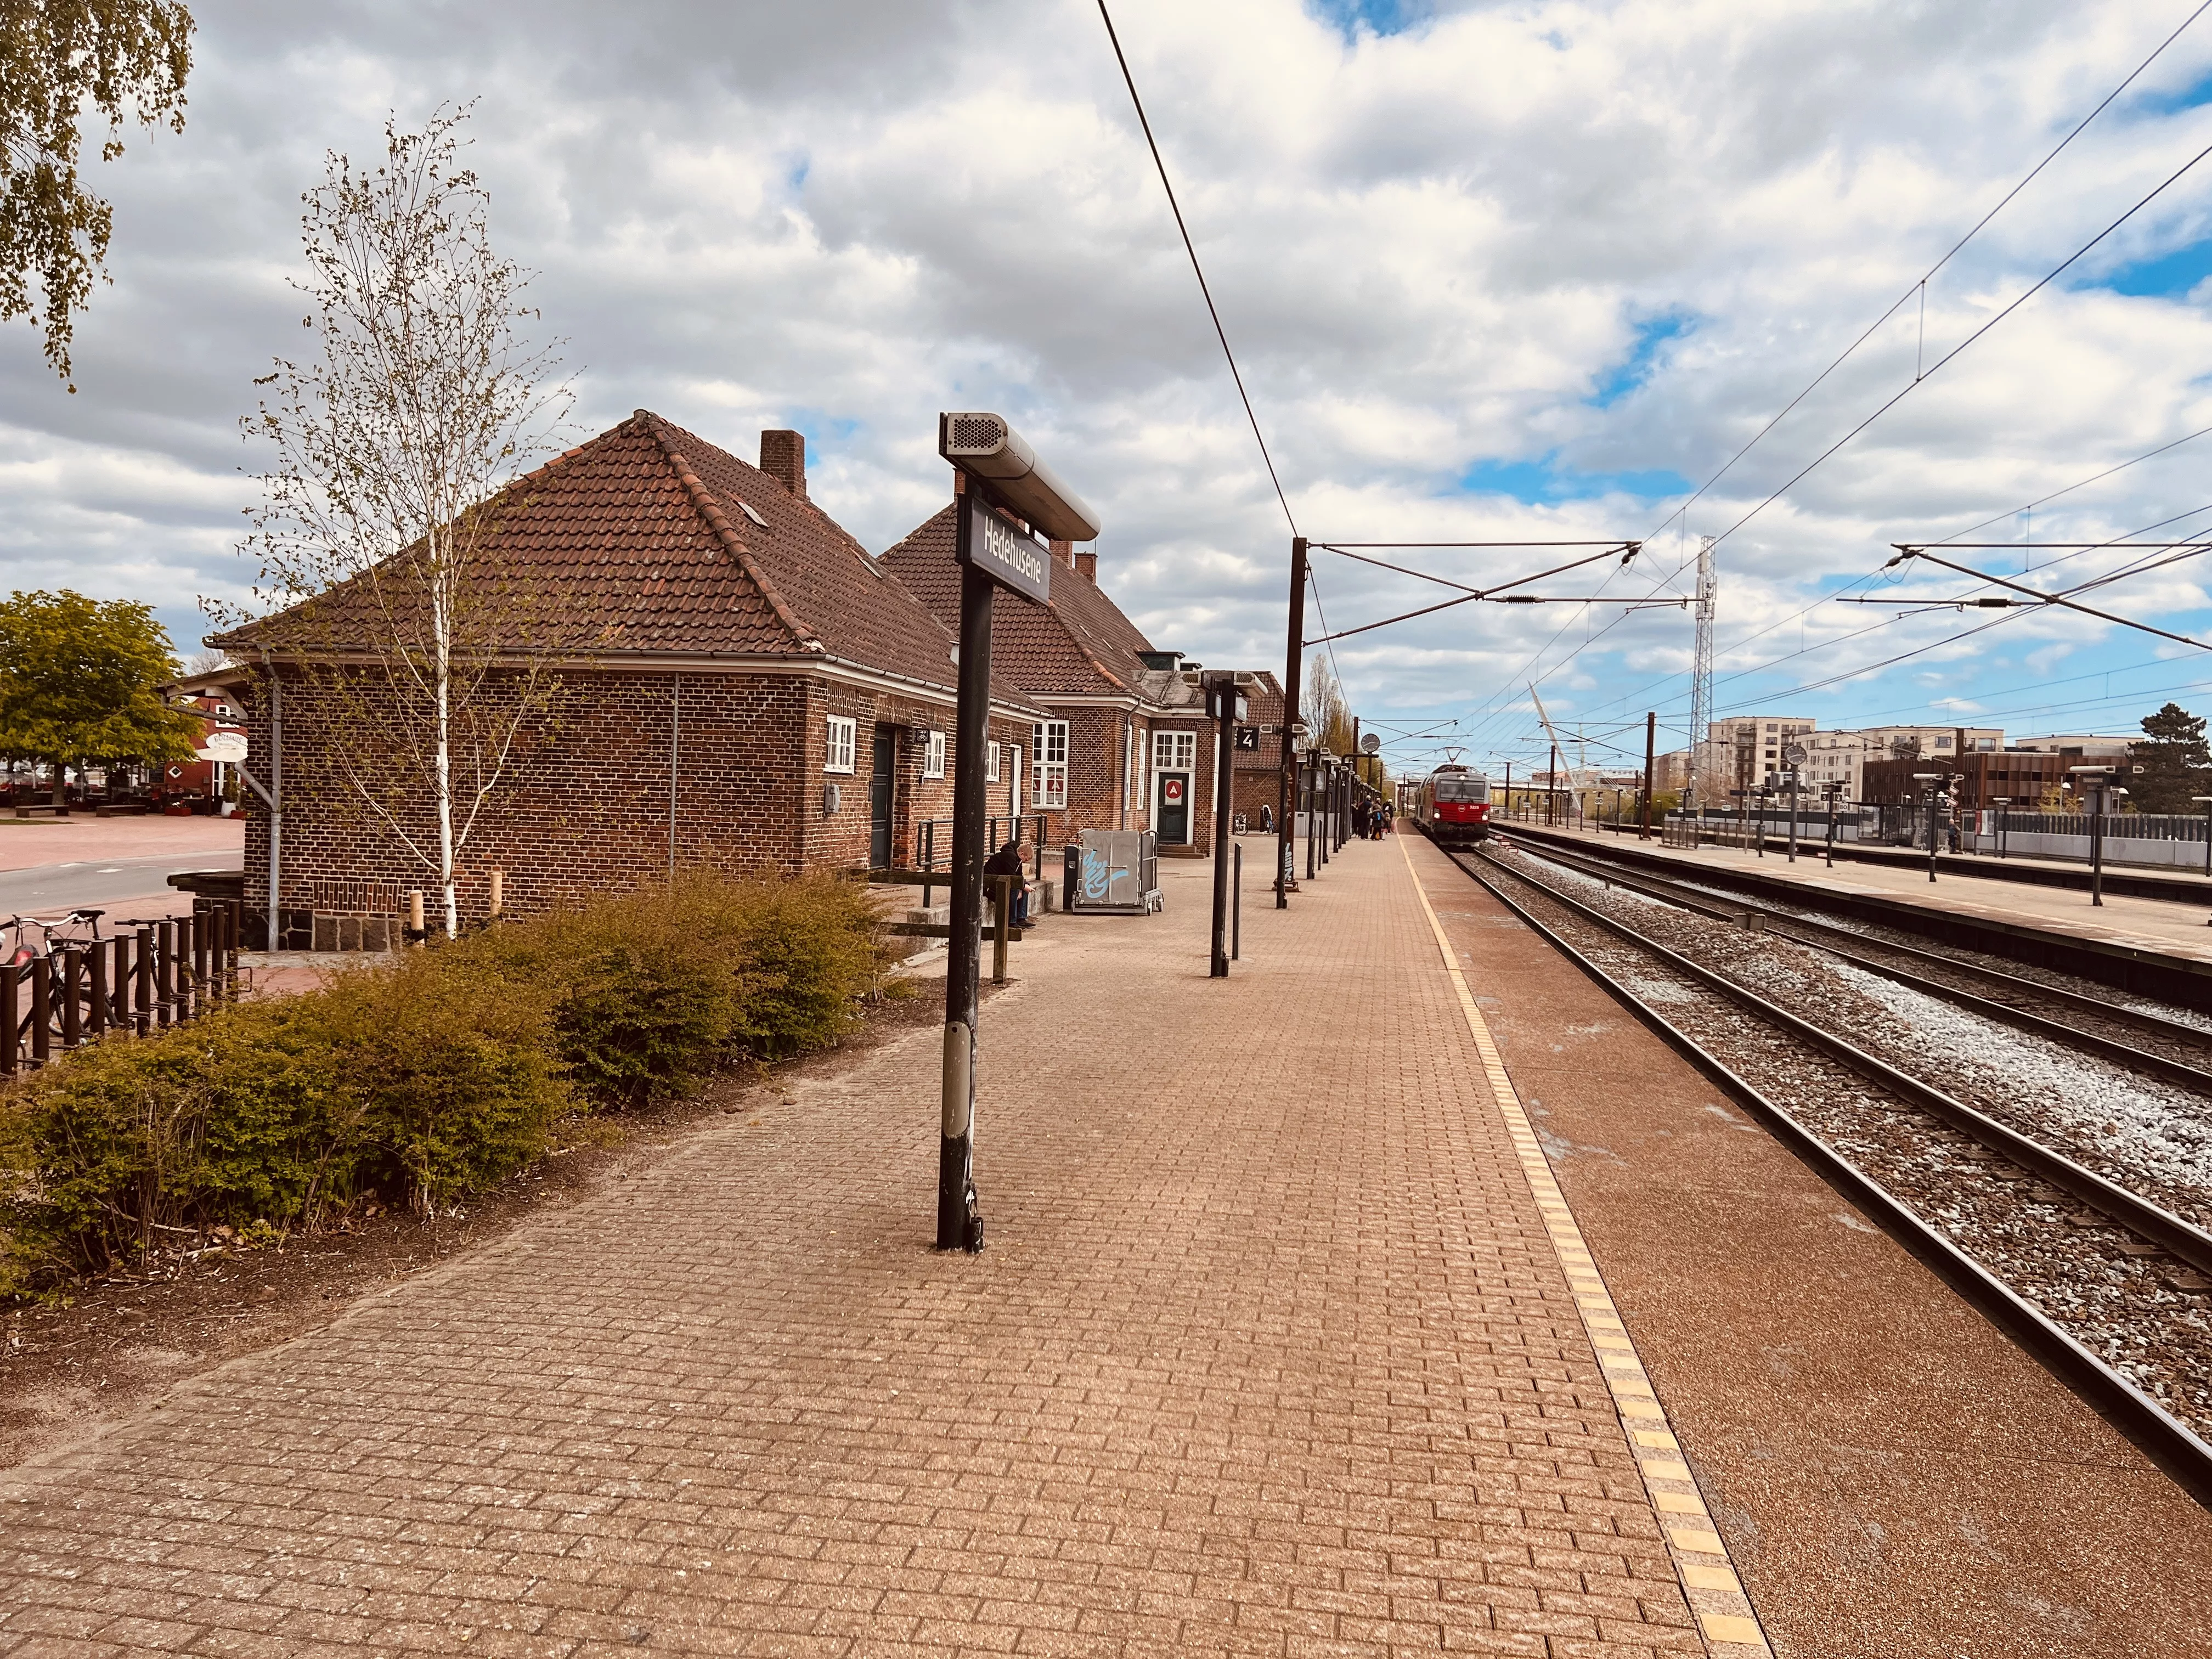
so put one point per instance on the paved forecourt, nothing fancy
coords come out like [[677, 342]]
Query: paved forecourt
[[1275, 1349]]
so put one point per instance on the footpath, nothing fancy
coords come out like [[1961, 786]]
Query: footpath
[[1283, 1344]]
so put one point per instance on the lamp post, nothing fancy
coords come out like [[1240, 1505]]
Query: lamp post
[[2205, 801], [1007, 496], [2099, 781], [1226, 707], [1931, 778], [1832, 790]]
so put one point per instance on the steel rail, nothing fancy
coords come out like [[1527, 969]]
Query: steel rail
[[2170, 1444], [1785, 925], [2152, 1024], [2131, 1210]]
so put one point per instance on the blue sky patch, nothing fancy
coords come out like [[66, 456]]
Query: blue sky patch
[[2167, 103], [1544, 479], [1617, 381], [1376, 16], [2168, 275]]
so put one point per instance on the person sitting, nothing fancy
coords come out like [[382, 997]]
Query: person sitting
[[1008, 862]]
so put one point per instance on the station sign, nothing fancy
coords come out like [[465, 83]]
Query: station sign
[[999, 547]]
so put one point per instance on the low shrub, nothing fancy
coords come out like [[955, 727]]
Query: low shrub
[[436, 1075], [407, 1079]]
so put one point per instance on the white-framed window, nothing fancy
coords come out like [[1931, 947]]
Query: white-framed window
[[844, 735], [1050, 781], [1173, 751], [933, 756], [990, 762]]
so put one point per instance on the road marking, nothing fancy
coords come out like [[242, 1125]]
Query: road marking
[[1710, 1584]]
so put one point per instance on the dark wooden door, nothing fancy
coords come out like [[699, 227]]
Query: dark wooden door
[[879, 799]]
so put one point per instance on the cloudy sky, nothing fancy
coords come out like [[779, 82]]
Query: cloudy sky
[[1527, 271]]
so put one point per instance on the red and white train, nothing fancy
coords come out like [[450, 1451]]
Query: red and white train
[[1452, 806]]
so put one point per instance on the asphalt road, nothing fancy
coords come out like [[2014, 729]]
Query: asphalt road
[[51, 890]]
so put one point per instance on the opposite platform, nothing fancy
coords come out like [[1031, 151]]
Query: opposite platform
[[2159, 926], [1273, 1351]]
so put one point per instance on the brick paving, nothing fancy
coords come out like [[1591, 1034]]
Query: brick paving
[[1270, 1354]]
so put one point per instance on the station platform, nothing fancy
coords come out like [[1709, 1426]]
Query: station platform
[[1894, 1477], [1397, 1294], [2157, 925], [1283, 1343]]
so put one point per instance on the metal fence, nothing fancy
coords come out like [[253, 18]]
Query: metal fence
[[2118, 826], [933, 848], [68, 993]]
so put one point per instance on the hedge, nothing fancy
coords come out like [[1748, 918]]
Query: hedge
[[420, 1080]]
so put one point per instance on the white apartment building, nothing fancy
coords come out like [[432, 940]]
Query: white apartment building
[[2089, 748], [1742, 750], [1841, 757]]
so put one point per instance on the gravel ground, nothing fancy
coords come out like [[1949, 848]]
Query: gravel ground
[[1875, 933], [2134, 1306]]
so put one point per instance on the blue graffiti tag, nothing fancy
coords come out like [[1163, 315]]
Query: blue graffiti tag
[[1098, 875]]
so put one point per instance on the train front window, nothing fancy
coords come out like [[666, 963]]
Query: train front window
[[1463, 789]]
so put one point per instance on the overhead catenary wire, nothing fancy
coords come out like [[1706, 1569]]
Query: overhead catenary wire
[[1920, 287], [1921, 372], [1199, 271]]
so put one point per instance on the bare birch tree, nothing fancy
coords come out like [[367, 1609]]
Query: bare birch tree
[[377, 533]]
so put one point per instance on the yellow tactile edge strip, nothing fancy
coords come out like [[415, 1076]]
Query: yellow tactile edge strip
[[1725, 1617]]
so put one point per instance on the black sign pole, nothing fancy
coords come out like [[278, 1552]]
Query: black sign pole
[[959, 1227], [1286, 846], [1221, 703]]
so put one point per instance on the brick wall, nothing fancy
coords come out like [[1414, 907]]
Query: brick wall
[[586, 806]]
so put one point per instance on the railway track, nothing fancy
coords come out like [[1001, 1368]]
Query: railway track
[[2106, 1285], [2169, 1049]]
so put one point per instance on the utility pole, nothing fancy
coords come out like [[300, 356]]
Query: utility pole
[[1701, 672], [1551, 786], [1286, 846], [1650, 744]]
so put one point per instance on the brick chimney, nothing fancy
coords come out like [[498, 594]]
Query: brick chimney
[[783, 458], [1086, 565], [1065, 552]]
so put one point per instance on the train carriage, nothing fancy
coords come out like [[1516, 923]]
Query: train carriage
[[1453, 806]]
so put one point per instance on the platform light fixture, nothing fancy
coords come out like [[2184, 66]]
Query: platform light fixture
[[2098, 779]]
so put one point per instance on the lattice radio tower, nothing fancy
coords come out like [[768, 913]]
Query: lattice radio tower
[[1701, 674]]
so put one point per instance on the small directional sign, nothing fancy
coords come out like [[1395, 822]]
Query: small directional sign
[[1004, 551]]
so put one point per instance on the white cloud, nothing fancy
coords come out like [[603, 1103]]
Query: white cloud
[[1432, 250]]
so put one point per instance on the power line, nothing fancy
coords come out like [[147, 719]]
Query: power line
[[1199, 271], [1920, 288], [1920, 373]]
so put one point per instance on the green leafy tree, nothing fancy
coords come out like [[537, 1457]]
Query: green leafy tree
[[2174, 761], [57, 56], [79, 684]]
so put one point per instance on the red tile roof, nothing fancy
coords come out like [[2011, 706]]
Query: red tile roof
[[1076, 643], [650, 540]]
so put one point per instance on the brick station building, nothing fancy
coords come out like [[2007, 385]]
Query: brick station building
[[1126, 743], [742, 685]]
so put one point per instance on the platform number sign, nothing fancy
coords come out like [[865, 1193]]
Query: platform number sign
[[1248, 739]]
